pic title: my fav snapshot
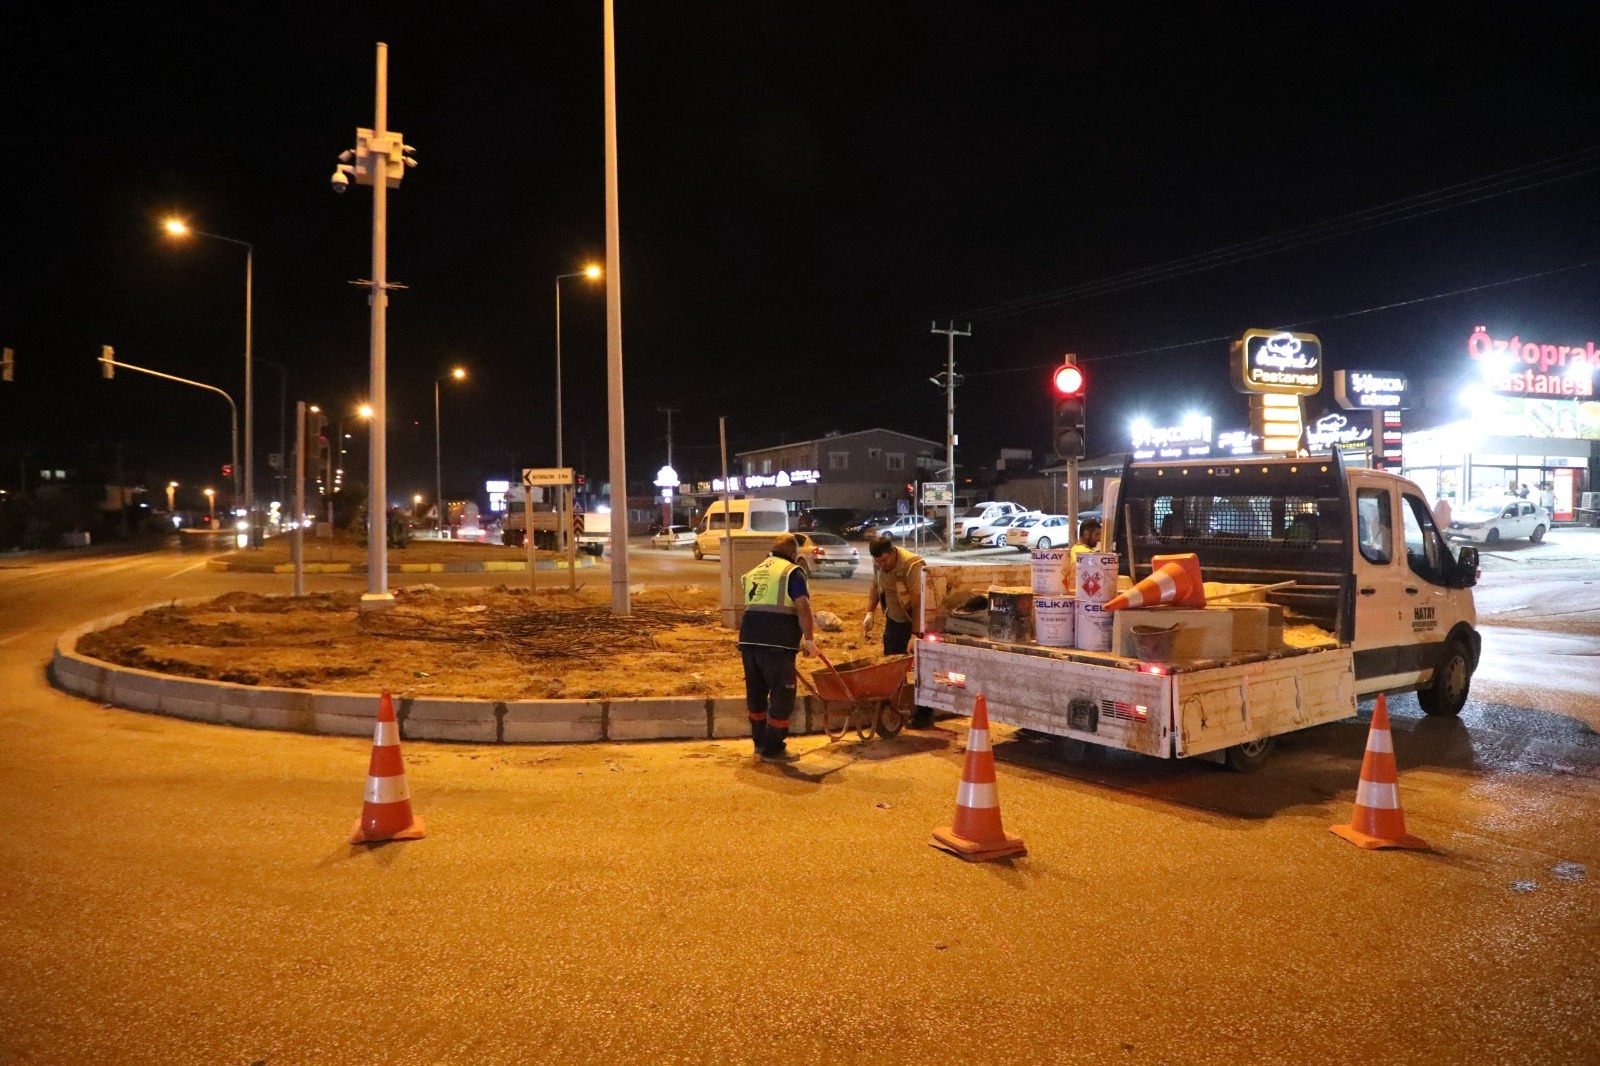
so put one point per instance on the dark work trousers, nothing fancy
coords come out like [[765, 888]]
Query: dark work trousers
[[769, 681], [896, 636]]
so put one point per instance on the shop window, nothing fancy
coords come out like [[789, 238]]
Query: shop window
[[895, 460], [1374, 527], [838, 460]]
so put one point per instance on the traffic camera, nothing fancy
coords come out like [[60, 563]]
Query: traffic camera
[[1068, 436]]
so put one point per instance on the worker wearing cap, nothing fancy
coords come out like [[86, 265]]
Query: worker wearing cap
[[897, 584], [777, 624]]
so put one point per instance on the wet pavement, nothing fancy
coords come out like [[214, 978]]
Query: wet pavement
[[177, 893]]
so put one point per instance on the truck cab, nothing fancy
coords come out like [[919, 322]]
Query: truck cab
[[1368, 563]]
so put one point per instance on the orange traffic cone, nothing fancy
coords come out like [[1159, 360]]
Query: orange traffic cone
[[1377, 821], [1174, 580], [386, 814], [976, 834]]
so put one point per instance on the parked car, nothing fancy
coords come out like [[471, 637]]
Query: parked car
[[980, 514], [742, 518], [826, 519], [1491, 519], [994, 533], [673, 537], [858, 529], [1043, 531], [902, 528], [827, 553]]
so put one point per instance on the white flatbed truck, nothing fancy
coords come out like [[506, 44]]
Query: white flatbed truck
[[1368, 566]]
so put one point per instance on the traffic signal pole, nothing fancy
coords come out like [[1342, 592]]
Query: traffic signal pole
[[951, 333]]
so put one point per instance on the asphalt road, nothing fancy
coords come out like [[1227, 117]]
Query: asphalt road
[[181, 893]]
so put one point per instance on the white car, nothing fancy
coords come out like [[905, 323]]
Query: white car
[[980, 514], [993, 532], [1491, 519], [673, 537], [1041, 531]]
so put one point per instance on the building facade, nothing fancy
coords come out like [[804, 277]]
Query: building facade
[[868, 470]]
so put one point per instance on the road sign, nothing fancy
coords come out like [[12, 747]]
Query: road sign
[[532, 476], [577, 523], [940, 492]]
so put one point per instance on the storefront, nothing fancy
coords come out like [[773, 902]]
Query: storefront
[[1527, 419]]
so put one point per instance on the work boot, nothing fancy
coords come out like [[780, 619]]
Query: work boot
[[780, 754], [758, 733], [772, 749]]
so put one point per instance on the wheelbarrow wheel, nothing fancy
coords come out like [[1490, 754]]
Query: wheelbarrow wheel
[[895, 712], [835, 719], [866, 719]]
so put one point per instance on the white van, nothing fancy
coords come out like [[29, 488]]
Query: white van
[[742, 518]]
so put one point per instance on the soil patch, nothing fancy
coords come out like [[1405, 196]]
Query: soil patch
[[500, 644], [343, 549]]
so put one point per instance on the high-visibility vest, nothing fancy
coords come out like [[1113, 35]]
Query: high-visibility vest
[[770, 616]]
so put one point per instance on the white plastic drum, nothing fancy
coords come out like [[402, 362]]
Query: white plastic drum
[[1050, 574], [1053, 620], [1097, 577], [1092, 625]]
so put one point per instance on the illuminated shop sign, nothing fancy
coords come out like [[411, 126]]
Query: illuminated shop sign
[[782, 479], [1338, 431], [1236, 442], [732, 486], [1517, 368], [1377, 390], [1518, 416], [1191, 438], [1271, 361]]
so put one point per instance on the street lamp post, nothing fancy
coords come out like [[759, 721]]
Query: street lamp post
[[458, 374], [179, 228], [172, 493], [283, 431], [211, 507], [591, 272]]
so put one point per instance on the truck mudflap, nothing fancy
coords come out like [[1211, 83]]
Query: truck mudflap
[[1121, 704]]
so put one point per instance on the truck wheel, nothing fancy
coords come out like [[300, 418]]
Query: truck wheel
[[1537, 535], [1446, 694], [1250, 756]]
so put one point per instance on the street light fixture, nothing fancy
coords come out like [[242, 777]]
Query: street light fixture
[[179, 228], [211, 507], [592, 272], [458, 374], [172, 493]]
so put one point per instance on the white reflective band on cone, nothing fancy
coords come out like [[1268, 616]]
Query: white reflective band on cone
[[387, 789], [1380, 740], [1378, 796], [978, 740], [976, 795], [386, 735]]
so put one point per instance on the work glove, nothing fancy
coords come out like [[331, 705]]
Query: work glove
[[866, 623], [811, 647]]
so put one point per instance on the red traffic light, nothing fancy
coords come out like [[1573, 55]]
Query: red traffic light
[[1069, 379]]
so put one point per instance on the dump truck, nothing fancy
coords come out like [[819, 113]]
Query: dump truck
[[1353, 552]]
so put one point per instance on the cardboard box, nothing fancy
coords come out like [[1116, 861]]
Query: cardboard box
[[1207, 632], [1256, 626]]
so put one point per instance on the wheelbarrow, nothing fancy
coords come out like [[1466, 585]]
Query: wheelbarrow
[[873, 697]]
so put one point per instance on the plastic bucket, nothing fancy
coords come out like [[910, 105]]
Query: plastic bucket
[[1050, 572], [1053, 620], [1092, 626], [1097, 577]]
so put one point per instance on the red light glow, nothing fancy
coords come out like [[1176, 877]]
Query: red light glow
[[1069, 379]]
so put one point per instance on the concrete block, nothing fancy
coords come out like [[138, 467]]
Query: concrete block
[[343, 714], [555, 721], [133, 690], [463, 720], [730, 719], [657, 719], [279, 708]]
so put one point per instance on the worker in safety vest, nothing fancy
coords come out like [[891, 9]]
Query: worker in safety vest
[[897, 584], [1088, 541], [777, 623]]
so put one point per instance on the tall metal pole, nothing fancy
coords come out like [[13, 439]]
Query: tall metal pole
[[951, 333], [378, 595], [620, 603], [249, 395], [559, 463], [438, 464], [298, 544]]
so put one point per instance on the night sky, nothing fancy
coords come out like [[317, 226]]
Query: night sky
[[805, 187]]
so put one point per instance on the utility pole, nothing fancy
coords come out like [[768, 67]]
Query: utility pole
[[621, 602], [950, 383], [669, 412]]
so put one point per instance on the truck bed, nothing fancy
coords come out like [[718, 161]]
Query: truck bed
[[1169, 710]]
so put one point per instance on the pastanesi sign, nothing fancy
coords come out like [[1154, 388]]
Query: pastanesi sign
[[1514, 367]]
